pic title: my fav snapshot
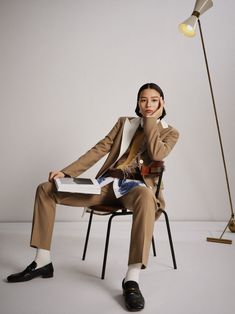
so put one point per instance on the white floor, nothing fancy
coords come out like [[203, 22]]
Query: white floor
[[204, 282]]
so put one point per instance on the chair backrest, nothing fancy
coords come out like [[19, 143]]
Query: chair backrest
[[159, 167], [155, 169]]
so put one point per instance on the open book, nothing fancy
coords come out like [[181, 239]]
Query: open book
[[78, 185]]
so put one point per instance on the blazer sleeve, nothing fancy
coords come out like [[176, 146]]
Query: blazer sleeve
[[94, 154], [158, 145]]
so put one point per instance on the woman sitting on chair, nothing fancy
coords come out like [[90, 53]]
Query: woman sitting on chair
[[131, 145]]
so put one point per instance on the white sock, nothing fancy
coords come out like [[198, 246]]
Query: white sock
[[133, 272], [42, 258]]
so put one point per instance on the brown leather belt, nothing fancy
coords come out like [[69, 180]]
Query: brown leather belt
[[119, 174], [154, 169]]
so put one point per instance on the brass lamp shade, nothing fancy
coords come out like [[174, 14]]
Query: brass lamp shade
[[189, 25]]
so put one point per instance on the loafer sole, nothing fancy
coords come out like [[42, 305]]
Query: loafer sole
[[27, 278]]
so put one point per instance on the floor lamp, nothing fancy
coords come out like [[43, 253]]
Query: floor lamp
[[188, 28]]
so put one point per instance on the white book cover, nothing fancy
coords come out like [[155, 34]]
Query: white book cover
[[78, 185]]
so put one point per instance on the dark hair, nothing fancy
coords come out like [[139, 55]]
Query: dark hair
[[151, 86]]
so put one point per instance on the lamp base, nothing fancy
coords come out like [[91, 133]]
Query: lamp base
[[218, 240], [230, 224]]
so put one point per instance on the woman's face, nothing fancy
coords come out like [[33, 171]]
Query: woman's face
[[149, 102]]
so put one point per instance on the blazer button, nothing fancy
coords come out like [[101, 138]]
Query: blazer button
[[141, 161]]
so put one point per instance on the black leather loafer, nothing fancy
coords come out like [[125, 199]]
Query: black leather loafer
[[133, 298], [31, 272]]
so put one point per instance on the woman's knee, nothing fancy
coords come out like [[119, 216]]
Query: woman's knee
[[45, 187]]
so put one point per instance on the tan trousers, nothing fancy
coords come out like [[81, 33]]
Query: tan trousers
[[141, 200]]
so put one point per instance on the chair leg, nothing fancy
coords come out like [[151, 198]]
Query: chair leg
[[87, 235], [170, 238], [106, 246], [107, 239], [153, 246]]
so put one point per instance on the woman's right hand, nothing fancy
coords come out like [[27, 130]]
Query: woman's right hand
[[55, 174], [157, 113]]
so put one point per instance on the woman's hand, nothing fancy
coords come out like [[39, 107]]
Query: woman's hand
[[55, 174], [158, 112]]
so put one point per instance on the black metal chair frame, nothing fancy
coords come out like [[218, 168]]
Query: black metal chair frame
[[122, 212]]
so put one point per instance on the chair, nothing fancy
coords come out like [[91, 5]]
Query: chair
[[114, 211]]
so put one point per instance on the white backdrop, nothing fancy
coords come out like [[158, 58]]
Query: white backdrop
[[70, 68]]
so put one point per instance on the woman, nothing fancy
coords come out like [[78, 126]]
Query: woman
[[133, 143]]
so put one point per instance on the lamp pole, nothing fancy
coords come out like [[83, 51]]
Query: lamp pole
[[231, 220], [188, 28]]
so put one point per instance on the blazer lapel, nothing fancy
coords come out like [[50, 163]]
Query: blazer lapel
[[129, 130]]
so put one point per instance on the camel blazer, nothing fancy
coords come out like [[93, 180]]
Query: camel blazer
[[159, 140]]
